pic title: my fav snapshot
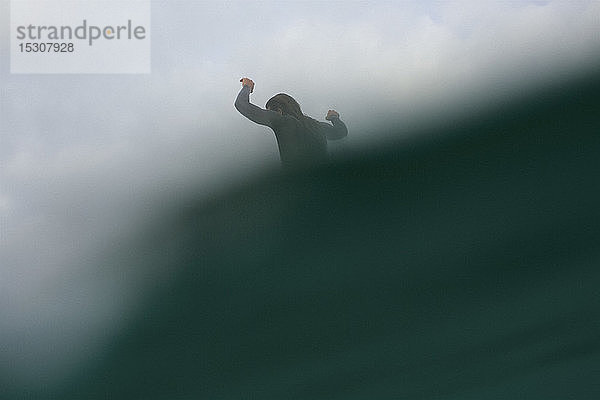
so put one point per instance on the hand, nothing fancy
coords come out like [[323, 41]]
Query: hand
[[248, 82], [332, 114]]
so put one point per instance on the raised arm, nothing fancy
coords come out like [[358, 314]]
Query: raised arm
[[337, 130], [252, 112]]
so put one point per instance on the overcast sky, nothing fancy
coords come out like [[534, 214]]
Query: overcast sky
[[83, 156]]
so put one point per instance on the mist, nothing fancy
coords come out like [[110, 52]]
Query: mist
[[86, 161]]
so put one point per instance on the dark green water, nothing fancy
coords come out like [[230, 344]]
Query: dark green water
[[464, 264]]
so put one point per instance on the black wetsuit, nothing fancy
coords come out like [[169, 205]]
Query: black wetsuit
[[300, 142]]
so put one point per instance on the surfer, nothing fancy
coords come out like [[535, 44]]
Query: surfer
[[301, 139]]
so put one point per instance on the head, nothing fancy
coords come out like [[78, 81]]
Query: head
[[284, 104]]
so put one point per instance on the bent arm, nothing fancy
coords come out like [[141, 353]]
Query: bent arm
[[252, 112], [336, 131]]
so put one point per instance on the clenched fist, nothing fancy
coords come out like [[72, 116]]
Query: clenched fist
[[332, 114], [248, 82]]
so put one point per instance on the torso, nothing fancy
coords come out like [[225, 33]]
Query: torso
[[299, 145]]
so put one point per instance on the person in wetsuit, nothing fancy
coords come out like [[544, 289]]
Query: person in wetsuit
[[301, 139]]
